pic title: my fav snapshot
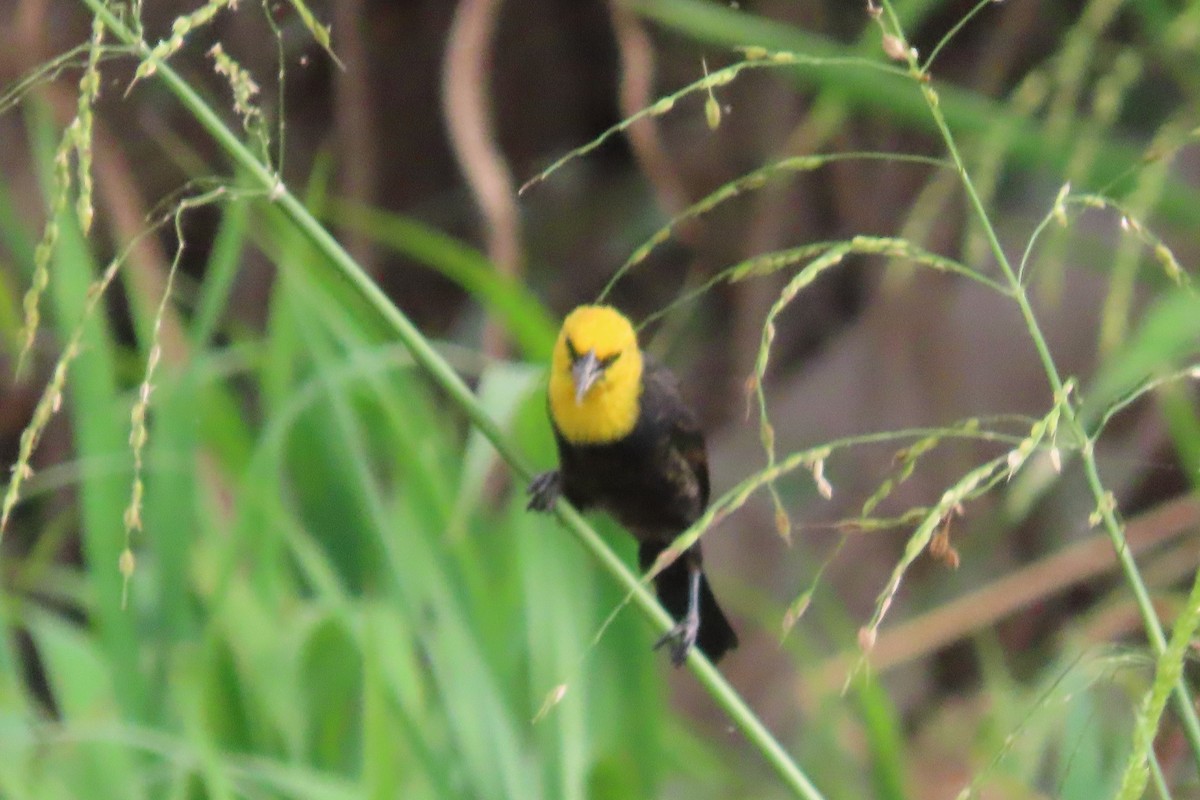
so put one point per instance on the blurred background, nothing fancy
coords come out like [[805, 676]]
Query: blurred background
[[313, 578]]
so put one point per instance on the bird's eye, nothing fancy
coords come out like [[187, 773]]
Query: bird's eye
[[572, 353], [607, 361]]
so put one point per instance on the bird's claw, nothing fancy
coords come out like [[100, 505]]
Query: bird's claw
[[681, 638], [544, 490]]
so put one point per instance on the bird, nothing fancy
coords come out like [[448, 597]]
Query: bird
[[629, 445]]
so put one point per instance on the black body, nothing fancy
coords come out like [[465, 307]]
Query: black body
[[654, 481]]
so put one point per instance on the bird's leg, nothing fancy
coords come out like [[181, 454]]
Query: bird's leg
[[683, 635], [544, 490]]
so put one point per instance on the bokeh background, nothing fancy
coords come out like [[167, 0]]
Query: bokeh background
[[335, 590]]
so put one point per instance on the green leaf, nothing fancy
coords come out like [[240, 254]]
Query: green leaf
[[1167, 338]]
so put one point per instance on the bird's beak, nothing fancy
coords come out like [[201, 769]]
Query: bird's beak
[[584, 373]]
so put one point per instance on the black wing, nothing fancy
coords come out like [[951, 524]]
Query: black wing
[[661, 397]]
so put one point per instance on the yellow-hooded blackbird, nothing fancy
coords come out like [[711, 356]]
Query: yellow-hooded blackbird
[[629, 445]]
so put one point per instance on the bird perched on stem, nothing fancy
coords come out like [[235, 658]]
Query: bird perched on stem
[[629, 445]]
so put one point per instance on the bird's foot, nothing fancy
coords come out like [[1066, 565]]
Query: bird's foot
[[681, 638], [544, 490]]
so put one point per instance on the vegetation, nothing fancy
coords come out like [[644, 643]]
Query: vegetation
[[264, 535]]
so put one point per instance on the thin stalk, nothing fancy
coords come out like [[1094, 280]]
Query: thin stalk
[[448, 380], [1154, 630]]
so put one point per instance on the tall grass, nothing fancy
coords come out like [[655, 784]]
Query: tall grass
[[295, 578]]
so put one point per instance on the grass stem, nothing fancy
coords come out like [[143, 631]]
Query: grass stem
[[1153, 626]]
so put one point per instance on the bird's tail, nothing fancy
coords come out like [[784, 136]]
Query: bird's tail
[[716, 635]]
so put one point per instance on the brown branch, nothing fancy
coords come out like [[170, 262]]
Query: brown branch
[[1051, 575], [637, 86], [465, 104], [355, 124]]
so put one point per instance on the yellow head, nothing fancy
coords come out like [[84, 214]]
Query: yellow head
[[595, 376]]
